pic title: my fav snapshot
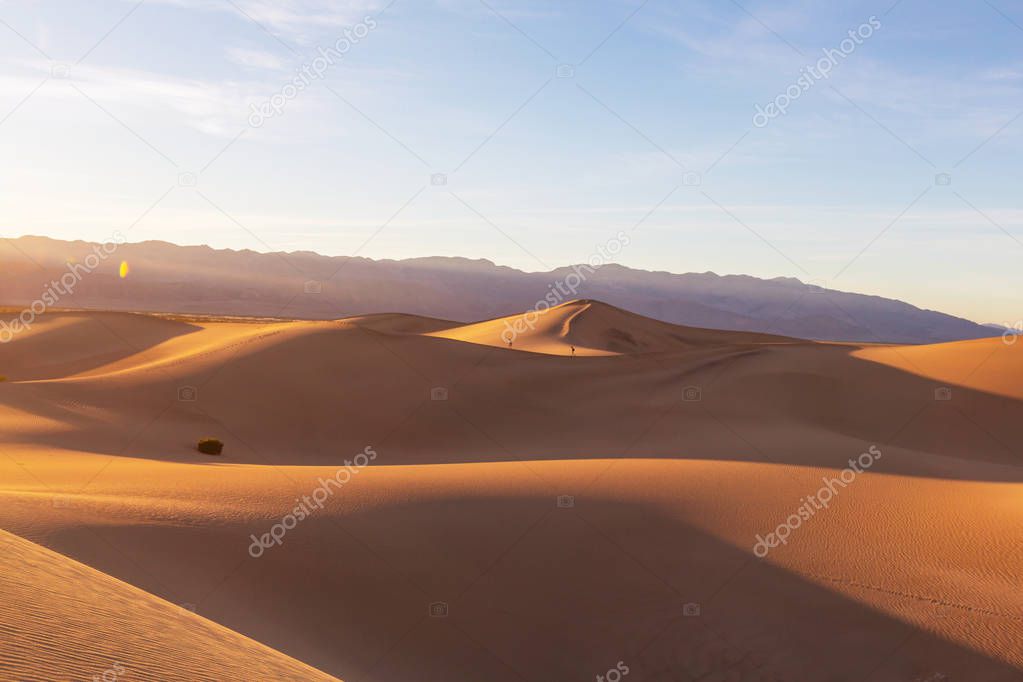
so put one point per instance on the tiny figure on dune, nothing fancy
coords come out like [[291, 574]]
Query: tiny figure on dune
[[573, 351], [509, 343]]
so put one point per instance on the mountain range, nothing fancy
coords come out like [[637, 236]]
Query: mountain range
[[164, 277]]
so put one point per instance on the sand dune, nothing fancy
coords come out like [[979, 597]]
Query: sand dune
[[66, 343], [679, 447], [989, 365], [399, 538], [62, 620], [592, 328]]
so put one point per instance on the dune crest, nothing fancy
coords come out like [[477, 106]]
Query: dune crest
[[593, 328]]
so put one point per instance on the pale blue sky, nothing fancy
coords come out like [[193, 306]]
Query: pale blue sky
[[540, 169]]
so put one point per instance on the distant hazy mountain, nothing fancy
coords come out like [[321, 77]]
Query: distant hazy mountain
[[1002, 329], [199, 279]]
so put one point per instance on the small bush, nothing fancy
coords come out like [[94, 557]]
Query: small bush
[[210, 446]]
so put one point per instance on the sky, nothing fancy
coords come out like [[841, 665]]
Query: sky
[[735, 137]]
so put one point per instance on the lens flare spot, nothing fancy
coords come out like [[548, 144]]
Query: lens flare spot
[[124, 269]]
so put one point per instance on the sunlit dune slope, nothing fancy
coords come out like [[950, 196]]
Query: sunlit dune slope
[[993, 365], [61, 620], [61, 344], [593, 328]]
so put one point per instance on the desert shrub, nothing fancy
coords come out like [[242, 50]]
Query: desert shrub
[[210, 446]]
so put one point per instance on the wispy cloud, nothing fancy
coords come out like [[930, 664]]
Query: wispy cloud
[[211, 107], [291, 17]]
